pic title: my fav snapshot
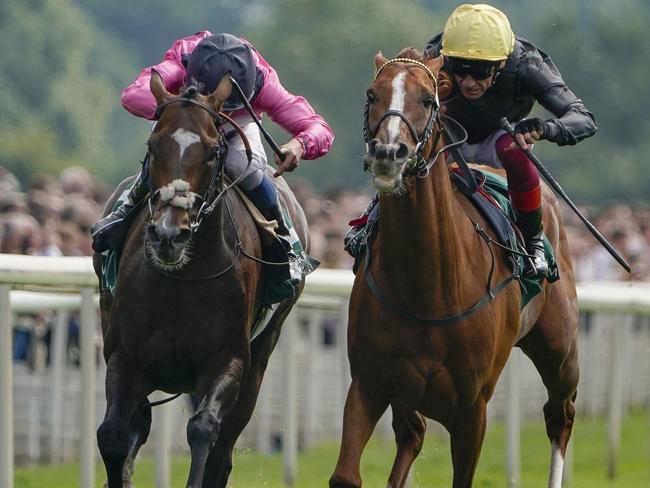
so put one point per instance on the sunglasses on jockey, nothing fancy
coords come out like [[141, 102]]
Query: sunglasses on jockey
[[479, 70]]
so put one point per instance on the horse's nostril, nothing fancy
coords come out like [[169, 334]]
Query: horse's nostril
[[402, 151], [152, 235], [182, 238]]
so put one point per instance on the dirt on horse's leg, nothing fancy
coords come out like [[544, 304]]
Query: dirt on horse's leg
[[113, 435], [204, 426], [219, 464], [557, 364], [409, 427], [467, 433], [363, 408]]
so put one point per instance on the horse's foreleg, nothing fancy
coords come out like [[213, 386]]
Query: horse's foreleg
[[204, 426], [467, 433], [113, 435], [219, 464], [363, 408], [409, 427]]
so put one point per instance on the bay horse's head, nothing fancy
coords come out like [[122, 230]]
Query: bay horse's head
[[186, 154], [401, 109]]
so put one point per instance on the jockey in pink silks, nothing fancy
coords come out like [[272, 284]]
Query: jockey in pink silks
[[205, 58]]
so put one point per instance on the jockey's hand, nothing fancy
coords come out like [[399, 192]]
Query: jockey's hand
[[528, 131], [292, 152]]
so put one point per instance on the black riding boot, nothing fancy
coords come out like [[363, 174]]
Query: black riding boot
[[283, 271], [109, 232], [354, 241], [532, 228]]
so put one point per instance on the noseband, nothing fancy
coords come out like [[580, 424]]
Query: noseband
[[417, 164]]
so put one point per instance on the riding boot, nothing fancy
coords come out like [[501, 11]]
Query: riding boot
[[354, 241], [282, 269], [110, 231], [532, 229]]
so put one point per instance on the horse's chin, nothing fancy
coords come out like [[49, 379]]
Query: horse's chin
[[387, 184], [168, 263]]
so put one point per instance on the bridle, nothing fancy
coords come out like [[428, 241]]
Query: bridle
[[218, 154], [183, 197], [417, 163]]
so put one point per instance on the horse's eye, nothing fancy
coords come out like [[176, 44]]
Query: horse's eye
[[428, 101], [370, 95]]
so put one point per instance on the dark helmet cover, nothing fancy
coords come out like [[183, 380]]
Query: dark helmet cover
[[217, 55]]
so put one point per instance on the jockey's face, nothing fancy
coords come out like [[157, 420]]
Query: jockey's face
[[474, 87]]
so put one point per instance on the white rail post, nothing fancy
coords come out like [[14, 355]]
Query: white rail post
[[342, 346], [57, 375], [620, 344], [162, 418], [6, 391], [314, 321], [88, 377], [290, 435], [513, 420]]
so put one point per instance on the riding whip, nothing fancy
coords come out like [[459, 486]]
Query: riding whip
[[249, 109], [505, 125]]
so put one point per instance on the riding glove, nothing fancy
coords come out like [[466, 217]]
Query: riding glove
[[533, 124]]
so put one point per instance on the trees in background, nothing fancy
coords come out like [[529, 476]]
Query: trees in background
[[64, 64]]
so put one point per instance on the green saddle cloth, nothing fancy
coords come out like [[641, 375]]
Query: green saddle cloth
[[497, 187]]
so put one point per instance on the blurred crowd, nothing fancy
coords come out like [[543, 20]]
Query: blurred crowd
[[52, 216]]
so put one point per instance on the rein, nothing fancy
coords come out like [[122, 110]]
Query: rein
[[487, 297]]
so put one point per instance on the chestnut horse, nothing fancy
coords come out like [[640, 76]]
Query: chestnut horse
[[428, 334], [189, 289]]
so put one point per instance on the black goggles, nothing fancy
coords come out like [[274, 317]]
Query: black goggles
[[479, 70]]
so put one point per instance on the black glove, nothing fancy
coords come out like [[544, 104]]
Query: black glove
[[533, 124]]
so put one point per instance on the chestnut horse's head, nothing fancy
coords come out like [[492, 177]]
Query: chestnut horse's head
[[186, 154], [401, 110]]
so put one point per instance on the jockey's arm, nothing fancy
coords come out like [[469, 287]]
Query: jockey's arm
[[573, 121], [294, 114]]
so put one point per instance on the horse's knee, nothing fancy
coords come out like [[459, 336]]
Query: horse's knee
[[559, 421], [113, 440], [202, 429], [338, 481]]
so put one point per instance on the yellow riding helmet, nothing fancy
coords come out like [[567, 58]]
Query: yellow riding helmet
[[477, 32]]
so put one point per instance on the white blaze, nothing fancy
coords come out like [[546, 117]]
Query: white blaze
[[396, 103], [185, 139]]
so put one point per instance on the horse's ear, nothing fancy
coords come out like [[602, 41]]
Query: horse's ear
[[435, 64], [157, 87], [220, 94], [444, 80], [380, 60]]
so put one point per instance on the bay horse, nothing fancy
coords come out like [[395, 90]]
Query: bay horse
[[189, 288], [427, 334]]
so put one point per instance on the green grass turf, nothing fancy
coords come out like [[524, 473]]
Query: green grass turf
[[432, 468]]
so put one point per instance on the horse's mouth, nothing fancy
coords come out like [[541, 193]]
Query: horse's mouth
[[170, 263]]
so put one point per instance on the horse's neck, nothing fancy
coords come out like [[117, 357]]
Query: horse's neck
[[421, 236]]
